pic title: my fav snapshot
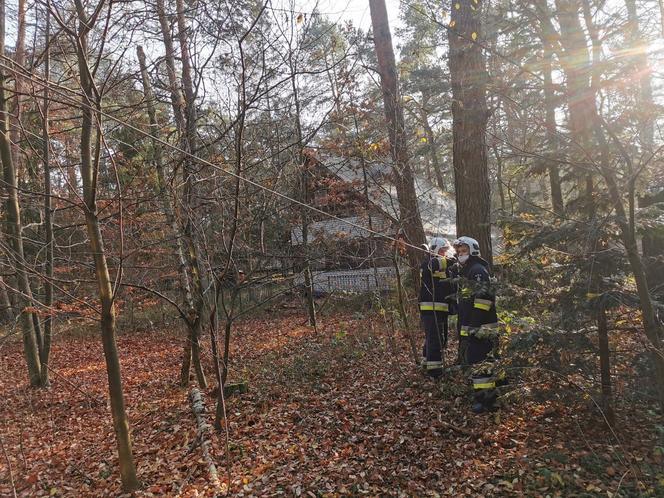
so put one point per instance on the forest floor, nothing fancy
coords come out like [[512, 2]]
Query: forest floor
[[340, 412]]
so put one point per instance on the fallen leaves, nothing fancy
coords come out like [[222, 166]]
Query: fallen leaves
[[326, 414]]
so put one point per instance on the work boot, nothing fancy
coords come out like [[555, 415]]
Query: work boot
[[435, 374], [478, 408]]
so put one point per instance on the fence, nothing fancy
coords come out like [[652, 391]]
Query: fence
[[361, 280]]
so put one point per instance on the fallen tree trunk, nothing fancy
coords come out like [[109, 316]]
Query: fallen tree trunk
[[203, 429]]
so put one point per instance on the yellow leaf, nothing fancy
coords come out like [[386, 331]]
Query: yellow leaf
[[556, 476], [457, 6], [452, 23], [474, 36], [423, 140], [591, 295]]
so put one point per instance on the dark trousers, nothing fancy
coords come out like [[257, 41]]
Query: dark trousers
[[434, 324], [477, 350]]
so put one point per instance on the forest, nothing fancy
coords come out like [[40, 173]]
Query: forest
[[219, 222]]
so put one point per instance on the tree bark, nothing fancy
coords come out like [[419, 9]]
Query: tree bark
[[19, 58], [304, 195], [576, 63], [605, 364], [177, 100], [652, 243], [411, 221], [89, 175], [184, 113], [551, 130], [6, 307], [189, 197], [499, 176], [431, 143], [198, 408], [48, 209], [469, 119], [177, 104], [170, 216], [14, 226], [639, 59]]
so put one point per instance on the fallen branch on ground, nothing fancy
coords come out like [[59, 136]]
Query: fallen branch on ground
[[203, 429], [458, 429]]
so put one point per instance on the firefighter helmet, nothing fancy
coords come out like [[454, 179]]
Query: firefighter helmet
[[472, 244], [437, 243]]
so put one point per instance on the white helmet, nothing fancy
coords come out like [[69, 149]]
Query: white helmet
[[437, 243], [472, 244]]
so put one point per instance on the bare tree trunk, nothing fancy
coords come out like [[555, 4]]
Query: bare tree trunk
[[401, 170], [499, 176], [177, 103], [551, 130], [177, 100], [304, 195], [431, 143], [403, 311], [16, 128], [605, 364], [575, 62], [308, 278], [7, 309], [89, 175], [639, 59], [168, 212], [653, 242], [14, 226], [48, 209], [189, 195], [469, 118], [19, 58], [184, 112]]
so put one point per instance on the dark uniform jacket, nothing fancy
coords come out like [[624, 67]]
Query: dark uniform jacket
[[476, 297], [437, 291]]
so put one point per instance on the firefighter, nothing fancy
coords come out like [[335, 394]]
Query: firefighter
[[436, 303], [478, 320]]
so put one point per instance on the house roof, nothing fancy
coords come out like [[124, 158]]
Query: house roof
[[347, 228], [437, 209]]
